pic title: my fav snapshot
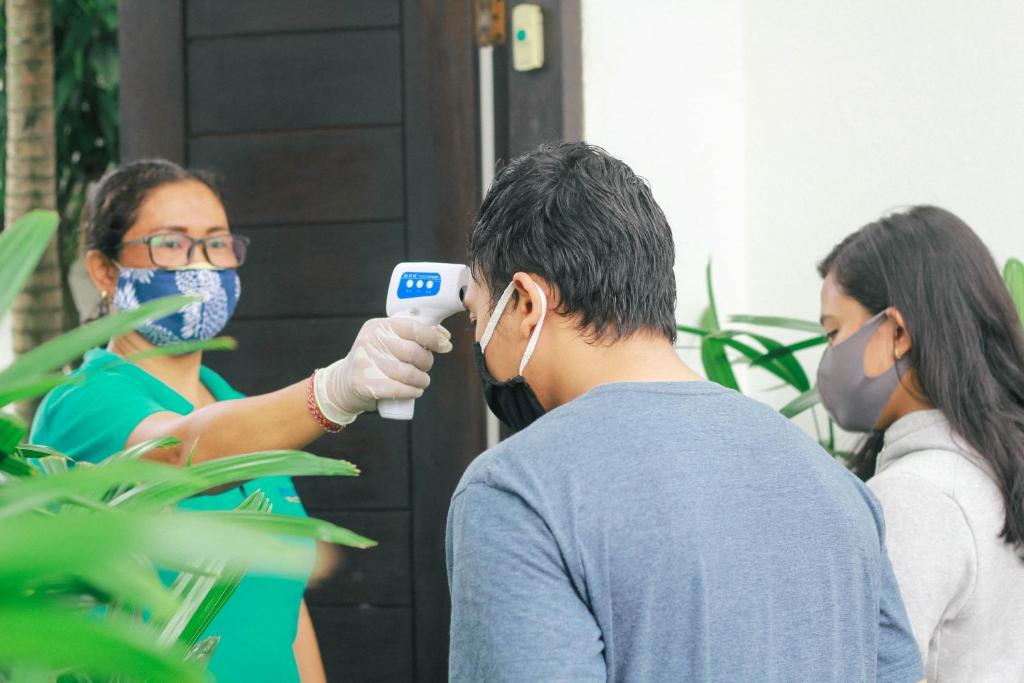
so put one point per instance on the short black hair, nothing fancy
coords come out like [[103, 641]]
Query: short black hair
[[586, 223]]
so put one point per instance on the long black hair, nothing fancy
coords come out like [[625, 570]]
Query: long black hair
[[967, 342]]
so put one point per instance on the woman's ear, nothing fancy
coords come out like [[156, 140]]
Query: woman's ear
[[901, 337], [102, 271]]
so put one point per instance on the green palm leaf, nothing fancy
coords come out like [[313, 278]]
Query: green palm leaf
[[710, 318], [29, 450], [716, 362], [20, 496], [54, 464], [12, 430], [775, 321], [791, 349], [233, 469], [55, 637], [286, 525], [1013, 274], [33, 385], [133, 583], [775, 358], [53, 354], [199, 603], [203, 599], [785, 366], [21, 247], [14, 464], [202, 651], [804, 401], [171, 539], [138, 450]]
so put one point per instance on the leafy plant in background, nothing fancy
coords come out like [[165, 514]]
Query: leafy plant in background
[[771, 355], [82, 542], [1013, 274], [764, 352], [86, 83], [87, 78]]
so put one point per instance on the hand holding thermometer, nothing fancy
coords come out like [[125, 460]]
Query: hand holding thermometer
[[429, 292]]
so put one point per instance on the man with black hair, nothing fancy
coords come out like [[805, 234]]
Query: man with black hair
[[643, 524]]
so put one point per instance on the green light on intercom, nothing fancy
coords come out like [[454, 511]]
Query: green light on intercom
[[528, 29]]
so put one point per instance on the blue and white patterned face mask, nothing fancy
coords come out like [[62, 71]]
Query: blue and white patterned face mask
[[219, 289]]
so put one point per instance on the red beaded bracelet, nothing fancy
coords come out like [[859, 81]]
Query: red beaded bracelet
[[318, 415]]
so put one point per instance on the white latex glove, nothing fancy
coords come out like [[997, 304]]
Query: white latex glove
[[390, 358]]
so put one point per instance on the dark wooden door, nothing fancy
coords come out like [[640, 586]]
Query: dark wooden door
[[345, 132]]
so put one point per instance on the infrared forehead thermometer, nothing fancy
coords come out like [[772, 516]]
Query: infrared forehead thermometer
[[429, 292]]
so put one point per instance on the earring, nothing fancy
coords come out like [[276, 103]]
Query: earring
[[897, 353], [104, 307]]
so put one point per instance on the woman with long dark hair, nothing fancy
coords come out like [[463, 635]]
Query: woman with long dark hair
[[926, 354]]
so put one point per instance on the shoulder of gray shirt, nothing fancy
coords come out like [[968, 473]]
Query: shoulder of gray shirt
[[558, 431]]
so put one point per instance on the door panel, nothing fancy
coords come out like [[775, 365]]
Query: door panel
[[363, 643], [220, 17], [318, 176], [341, 78], [349, 259], [379, 576]]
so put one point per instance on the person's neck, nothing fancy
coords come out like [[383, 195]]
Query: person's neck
[[907, 398], [180, 373], [643, 357]]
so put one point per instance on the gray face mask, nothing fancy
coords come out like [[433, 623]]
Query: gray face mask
[[853, 399]]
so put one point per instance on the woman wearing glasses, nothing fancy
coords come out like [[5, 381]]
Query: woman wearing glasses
[[156, 229]]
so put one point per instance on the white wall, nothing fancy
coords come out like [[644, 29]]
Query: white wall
[[769, 129], [663, 90], [858, 106]]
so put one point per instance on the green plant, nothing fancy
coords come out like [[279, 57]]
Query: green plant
[[80, 597], [86, 83], [722, 348], [780, 359], [1013, 274], [87, 77]]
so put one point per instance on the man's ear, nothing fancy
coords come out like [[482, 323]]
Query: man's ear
[[534, 299], [901, 340], [102, 271]]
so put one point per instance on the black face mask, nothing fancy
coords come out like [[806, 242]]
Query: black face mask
[[513, 401]]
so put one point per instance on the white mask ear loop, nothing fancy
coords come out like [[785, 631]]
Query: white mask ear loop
[[536, 331], [492, 324], [499, 308]]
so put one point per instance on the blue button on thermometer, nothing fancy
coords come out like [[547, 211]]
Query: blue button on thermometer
[[415, 285]]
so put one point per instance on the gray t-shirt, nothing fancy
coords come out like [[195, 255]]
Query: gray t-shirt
[[670, 532]]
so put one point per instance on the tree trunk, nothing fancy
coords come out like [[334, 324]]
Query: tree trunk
[[31, 166]]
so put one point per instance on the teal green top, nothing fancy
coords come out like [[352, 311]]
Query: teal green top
[[94, 418]]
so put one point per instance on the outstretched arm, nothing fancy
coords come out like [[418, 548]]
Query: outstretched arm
[[389, 359]]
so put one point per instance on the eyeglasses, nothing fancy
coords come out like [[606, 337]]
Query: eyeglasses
[[174, 250]]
